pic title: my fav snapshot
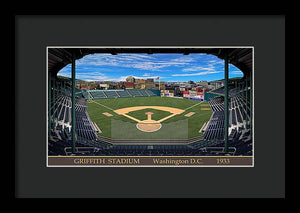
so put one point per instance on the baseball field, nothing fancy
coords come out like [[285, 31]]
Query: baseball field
[[149, 117]]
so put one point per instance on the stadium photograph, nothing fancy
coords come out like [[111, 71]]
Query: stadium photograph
[[150, 106]]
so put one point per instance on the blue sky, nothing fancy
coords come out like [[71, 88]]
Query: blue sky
[[169, 67]]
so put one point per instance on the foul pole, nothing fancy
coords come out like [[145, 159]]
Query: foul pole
[[159, 83]]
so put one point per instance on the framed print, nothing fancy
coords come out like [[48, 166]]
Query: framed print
[[150, 106]]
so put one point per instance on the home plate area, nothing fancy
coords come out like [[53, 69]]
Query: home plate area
[[149, 125]]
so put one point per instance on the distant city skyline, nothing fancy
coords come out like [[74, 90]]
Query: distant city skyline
[[169, 67]]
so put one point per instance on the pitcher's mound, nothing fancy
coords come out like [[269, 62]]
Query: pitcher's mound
[[148, 127]]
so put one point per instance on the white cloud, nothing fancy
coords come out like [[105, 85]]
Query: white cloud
[[92, 67], [138, 61], [64, 74], [183, 59], [199, 73], [197, 68], [146, 74], [145, 77], [214, 62], [237, 72]]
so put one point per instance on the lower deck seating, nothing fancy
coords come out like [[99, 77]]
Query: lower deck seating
[[134, 93], [111, 94], [100, 94], [215, 129], [150, 93], [62, 120], [239, 137], [97, 94], [143, 93], [123, 94]]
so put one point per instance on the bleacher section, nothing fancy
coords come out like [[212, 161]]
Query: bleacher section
[[232, 90], [123, 94], [111, 94], [239, 124], [61, 121], [217, 104], [99, 94], [143, 93], [134, 93], [215, 129], [241, 108], [150, 93]]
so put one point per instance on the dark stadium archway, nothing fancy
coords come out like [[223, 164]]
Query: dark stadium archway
[[241, 57]]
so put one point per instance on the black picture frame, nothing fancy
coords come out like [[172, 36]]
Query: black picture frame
[[271, 185]]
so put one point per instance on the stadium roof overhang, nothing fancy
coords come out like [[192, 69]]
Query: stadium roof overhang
[[60, 57]]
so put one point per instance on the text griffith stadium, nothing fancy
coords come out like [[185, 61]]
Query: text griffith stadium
[[130, 161]]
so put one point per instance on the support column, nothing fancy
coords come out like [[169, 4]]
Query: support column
[[73, 105], [226, 125], [244, 96], [246, 99], [49, 102], [54, 87], [251, 101]]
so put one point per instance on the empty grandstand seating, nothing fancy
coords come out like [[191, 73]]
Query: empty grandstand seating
[[217, 104], [232, 91], [111, 94], [215, 129], [61, 121], [123, 94], [135, 93], [143, 93], [99, 94], [150, 93], [239, 116]]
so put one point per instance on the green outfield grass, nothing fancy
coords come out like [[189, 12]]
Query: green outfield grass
[[195, 122]]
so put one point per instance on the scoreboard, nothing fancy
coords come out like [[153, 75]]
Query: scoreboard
[[166, 93]]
